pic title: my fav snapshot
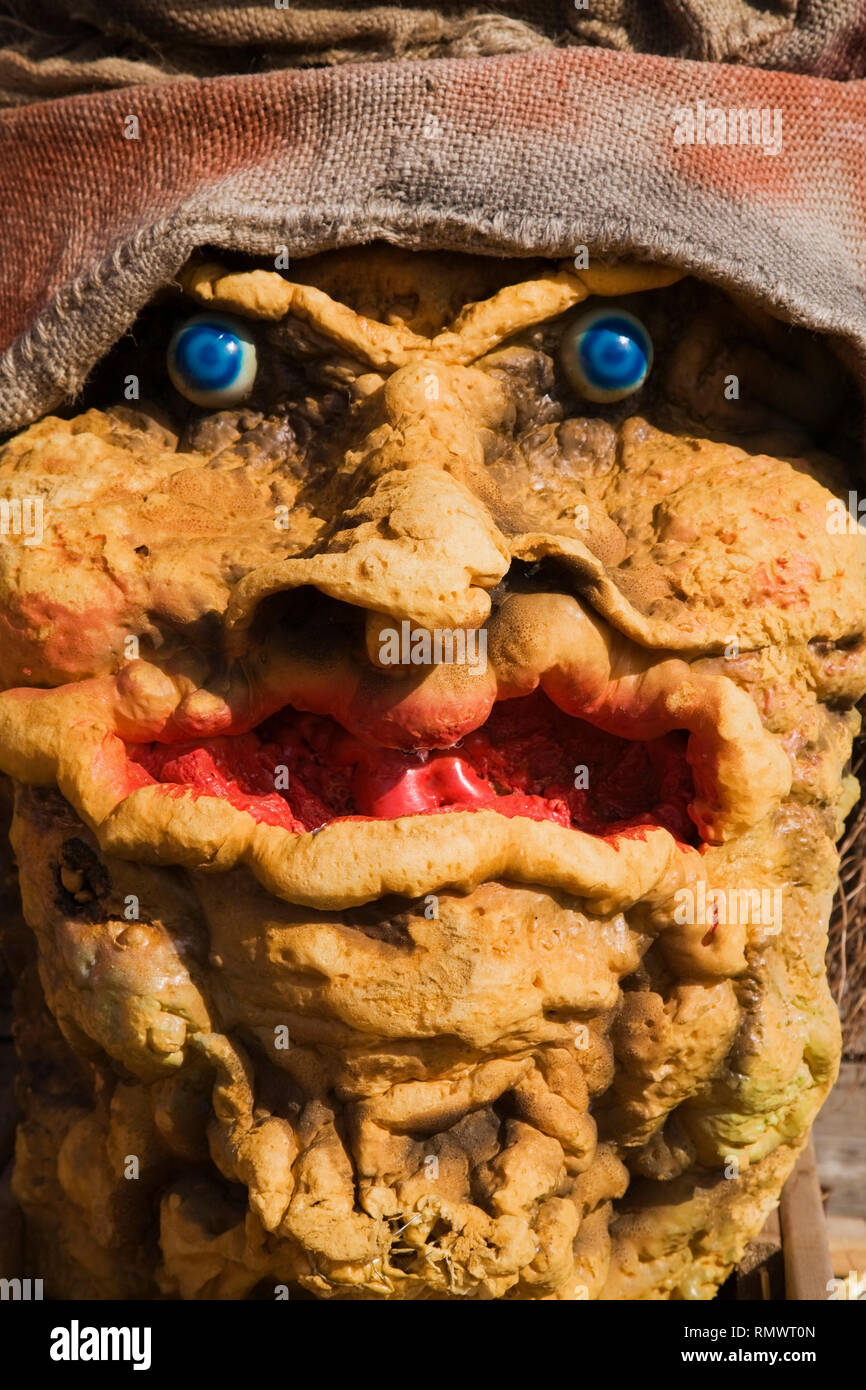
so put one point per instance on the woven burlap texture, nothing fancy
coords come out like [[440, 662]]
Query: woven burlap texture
[[54, 48]]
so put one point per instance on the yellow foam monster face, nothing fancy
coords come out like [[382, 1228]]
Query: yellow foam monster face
[[429, 685]]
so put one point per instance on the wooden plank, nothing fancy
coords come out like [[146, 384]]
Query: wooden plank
[[847, 1235], [840, 1144], [804, 1233], [760, 1274]]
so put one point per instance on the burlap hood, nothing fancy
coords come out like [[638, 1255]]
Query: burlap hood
[[544, 133], [532, 152]]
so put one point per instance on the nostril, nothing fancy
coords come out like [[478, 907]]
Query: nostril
[[311, 618]]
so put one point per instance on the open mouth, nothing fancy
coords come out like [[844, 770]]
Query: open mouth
[[589, 765], [304, 771]]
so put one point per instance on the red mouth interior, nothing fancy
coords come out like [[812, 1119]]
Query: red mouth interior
[[303, 771]]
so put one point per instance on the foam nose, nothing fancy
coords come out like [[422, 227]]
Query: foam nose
[[419, 547], [431, 414]]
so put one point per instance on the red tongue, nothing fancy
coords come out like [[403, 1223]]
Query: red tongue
[[397, 784]]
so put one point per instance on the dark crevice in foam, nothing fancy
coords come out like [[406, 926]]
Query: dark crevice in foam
[[303, 771]]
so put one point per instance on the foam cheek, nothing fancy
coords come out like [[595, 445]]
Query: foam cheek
[[44, 641]]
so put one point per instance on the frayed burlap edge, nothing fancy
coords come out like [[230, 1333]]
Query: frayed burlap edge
[[49, 363]]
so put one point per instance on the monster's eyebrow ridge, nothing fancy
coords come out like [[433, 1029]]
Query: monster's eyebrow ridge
[[267, 295]]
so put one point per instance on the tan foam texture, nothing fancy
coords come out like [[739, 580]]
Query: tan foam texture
[[455, 1055]]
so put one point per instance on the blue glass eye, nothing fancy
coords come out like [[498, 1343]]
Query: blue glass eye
[[607, 354], [212, 360]]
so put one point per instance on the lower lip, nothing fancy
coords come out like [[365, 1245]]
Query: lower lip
[[303, 771]]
